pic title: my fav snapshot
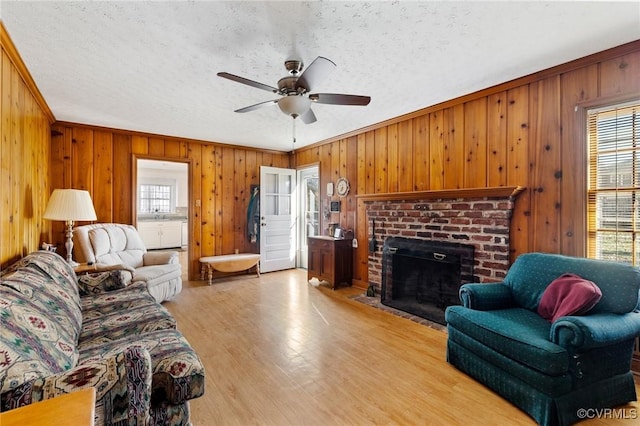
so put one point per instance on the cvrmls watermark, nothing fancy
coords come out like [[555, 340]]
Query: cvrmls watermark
[[607, 413]]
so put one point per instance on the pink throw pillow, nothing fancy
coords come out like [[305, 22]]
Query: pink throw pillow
[[569, 294]]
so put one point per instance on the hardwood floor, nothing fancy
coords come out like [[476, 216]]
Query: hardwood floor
[[279, 351]]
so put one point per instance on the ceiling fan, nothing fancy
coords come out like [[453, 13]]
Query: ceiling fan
[[296, 100]]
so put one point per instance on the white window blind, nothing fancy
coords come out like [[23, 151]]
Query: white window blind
[[613, 211]]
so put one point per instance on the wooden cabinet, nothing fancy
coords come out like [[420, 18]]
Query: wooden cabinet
[[330, 259], [156, 235]]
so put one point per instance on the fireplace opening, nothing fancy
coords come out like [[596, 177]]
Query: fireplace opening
[[423, 277]]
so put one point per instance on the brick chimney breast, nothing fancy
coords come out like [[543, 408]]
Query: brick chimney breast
[[482, 220]]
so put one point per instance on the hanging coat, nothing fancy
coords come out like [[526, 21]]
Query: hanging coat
[[253, 216]]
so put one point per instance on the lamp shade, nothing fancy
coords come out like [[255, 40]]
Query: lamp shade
[[70, 204]]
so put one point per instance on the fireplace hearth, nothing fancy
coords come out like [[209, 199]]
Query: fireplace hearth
[[422, 277]]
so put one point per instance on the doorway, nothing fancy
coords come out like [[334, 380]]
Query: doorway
[[308, 210], [161, 208]]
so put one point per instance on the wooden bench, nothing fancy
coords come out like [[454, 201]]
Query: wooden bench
[[229, 263]]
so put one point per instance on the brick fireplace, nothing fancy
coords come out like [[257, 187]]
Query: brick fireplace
[[477, 217], [422, 277]]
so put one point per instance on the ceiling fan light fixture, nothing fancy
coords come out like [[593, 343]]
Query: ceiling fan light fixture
[[295, 90], [294, 105]]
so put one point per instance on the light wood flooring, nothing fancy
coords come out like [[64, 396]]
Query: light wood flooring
[[279, 351]]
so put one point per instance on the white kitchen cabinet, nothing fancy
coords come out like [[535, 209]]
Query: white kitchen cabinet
[[150, 234], [161, 234]]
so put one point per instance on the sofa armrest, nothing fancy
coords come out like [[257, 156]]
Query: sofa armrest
[[593, 331], [160, 258], [103, 267], [486, 297], [122, 383], [100, 282]]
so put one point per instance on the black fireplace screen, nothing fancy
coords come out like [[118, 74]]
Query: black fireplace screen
[[423, 277]]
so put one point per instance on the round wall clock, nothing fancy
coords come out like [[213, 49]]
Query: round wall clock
[[342, 187]]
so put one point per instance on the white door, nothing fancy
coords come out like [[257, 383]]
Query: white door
[[277, 219], [308, 210]]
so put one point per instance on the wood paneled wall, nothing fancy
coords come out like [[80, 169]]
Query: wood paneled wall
[[102, 161], [527, 132], [24, 157]]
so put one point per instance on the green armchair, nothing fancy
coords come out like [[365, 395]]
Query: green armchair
[[550, 370]]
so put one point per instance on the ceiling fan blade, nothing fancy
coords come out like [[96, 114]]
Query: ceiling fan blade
[[308, 117], [319, 68], [257, 106], [248, 82], [340, 99]]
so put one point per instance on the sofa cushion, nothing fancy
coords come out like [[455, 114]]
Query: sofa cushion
[[474, 354], [569, 294], [113, 299], [46, 295], [41, 317], [33, 344], [133, 313], [516, 333], [53, 268]]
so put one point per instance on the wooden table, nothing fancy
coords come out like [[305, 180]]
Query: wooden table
[[84, 268], [76, 408], [229, 263]]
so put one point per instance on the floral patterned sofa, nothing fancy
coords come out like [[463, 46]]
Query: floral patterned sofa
[[62, 333]]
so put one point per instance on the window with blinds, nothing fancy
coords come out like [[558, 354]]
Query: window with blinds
[[613, 211]]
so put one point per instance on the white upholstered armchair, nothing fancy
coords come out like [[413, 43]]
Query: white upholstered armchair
[[110, 244]]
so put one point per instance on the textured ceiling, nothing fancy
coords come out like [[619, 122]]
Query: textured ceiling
[[151, 66]]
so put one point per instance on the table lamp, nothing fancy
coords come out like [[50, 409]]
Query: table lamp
[[70, 205]]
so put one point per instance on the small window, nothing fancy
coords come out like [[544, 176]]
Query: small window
[[613, 211], [155, 198]]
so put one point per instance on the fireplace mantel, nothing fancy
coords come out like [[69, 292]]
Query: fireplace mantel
[[492, 192]]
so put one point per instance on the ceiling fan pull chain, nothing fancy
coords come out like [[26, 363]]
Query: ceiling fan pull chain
[[294, 133]]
